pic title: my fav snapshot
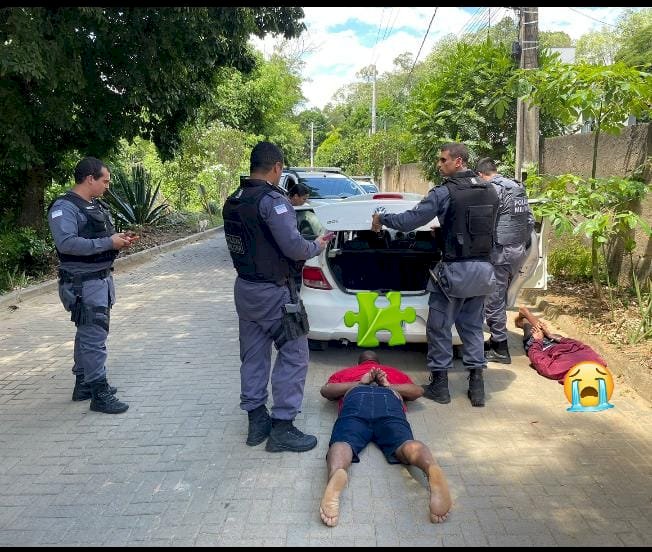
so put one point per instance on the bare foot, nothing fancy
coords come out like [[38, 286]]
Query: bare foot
[[440, 498], [518, 321], [329, 509], [525, 313]]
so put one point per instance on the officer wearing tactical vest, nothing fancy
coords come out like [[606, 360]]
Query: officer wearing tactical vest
[[260, 228], [466, 209], [87, 244], [514, 226]]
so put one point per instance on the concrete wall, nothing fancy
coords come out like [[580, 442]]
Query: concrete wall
[[405, 178], [618, 155]]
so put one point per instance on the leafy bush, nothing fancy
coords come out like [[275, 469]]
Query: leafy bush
[[570, 258], [23, 253], [133, 200]]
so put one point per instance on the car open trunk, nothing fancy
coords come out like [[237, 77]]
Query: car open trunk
[[362, 260], [365, 260]]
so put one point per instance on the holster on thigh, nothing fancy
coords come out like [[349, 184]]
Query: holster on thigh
[[294, 324], [94, 315]]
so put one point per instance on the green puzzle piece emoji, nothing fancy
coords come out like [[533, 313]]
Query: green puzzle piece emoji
[[370, 319]]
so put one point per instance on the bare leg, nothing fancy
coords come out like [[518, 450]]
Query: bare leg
[[418, 454], [524, 312], [338, 460], [525, 315]]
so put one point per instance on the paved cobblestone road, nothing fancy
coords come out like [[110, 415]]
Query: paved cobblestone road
[[174, 469]]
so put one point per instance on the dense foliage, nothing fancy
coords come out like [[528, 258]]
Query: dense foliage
[[79, 79]]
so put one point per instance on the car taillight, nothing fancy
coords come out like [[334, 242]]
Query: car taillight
[[388, 195], [313, 277]]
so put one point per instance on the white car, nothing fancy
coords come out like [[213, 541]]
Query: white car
[[357, 259]]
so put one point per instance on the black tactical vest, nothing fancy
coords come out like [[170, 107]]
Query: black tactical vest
[[253, 249], [511, 224], [98, 225], [468, 229]]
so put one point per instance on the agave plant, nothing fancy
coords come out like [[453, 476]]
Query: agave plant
[[133, 199]]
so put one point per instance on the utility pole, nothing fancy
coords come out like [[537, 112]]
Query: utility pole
[[312, 142], [527, 116], [373, 102]]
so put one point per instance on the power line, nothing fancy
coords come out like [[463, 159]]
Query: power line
[[468, 21], [594, 19], [422, 43], [380, 24], [388, 30], [497, 17], [471, 21], [479, 25]]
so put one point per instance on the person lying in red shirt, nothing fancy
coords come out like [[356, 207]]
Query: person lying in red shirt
[[372, 410]]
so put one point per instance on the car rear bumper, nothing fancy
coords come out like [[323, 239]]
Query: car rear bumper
[[326, 310]]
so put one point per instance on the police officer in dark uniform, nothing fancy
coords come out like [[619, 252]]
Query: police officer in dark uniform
[[514, 226], [465, 207], [261, 232], [87, 244]]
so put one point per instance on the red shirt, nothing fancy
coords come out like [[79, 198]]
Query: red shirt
[[355, 373]]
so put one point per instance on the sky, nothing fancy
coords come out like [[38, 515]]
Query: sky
[[340, 41]]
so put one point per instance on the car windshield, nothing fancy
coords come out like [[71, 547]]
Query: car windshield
[[331, 186], [371, 188]]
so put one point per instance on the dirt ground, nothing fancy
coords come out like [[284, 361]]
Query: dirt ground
[[612, 327]]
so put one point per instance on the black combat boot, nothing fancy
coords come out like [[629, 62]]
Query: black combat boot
[[498, 352], [260, 424], [82, 390], [102, 399], [476, 387], [437, 389], [284, 436]]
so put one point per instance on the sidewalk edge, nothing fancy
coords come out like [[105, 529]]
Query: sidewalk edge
[[129, 261]]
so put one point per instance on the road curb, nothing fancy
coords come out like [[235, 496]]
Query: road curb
[[128, 261], [632, 374]]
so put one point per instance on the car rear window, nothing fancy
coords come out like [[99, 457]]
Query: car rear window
[[330, 187]]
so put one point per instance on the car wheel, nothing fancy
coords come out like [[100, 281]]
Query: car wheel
[[315, 345]]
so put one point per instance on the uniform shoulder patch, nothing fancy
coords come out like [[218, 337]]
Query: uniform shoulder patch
[[280, 209], [56, 213]]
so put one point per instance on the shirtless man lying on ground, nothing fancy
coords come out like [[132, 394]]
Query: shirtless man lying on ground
[[371, 409]]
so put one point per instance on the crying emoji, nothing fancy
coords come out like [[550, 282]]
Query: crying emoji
[[588, 387]]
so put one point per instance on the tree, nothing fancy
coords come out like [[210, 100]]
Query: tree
[[212, 156], [312, 119], [555, 39], [635, 28], [597, 47], [605, 95], [260, 103], [79, 79], [462, 100]]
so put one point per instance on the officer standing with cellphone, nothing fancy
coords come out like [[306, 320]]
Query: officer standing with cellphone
[[260, 228], [87, 244]]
